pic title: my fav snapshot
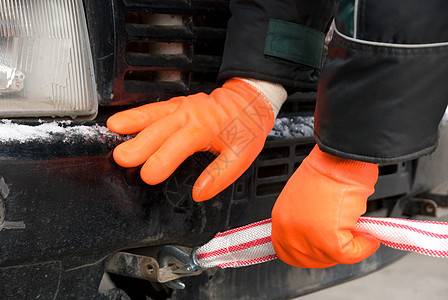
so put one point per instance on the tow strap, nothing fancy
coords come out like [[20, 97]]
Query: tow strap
[[251, 244]]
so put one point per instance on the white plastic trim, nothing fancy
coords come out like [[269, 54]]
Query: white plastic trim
[[355, 19], [391, 45]]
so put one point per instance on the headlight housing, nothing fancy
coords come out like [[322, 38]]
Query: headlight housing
[[45, 60]]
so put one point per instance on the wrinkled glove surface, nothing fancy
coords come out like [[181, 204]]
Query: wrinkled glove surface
[[314, 218], [232, 122]]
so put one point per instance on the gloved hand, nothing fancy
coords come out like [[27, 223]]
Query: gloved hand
[[314, 218], [232, 122]]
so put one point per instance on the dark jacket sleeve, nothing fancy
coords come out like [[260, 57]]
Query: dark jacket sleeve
[[383, 89], [277, 40]]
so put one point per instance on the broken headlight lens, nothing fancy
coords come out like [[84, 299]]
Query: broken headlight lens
[[45, 61]]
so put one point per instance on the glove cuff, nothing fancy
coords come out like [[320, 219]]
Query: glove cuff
[[342, 169], [275, 93], [249, 93]]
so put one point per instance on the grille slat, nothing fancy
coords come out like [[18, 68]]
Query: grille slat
[[168, 48], [157, 61], [272, 180], [155, 88], [157, 91], [271, 162], [178, 7], [178, 33], [161, 33], [180, 62]]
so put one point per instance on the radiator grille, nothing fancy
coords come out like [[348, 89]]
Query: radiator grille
[[255, 192], [169, 48], [276, 163]]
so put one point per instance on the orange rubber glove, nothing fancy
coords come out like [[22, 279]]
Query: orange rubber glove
[[233, 121], [314, 218]]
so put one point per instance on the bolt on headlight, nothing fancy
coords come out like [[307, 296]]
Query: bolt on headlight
[[45, 60]]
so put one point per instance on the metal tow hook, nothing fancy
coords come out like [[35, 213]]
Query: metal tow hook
[[187, 264], [171, 264]]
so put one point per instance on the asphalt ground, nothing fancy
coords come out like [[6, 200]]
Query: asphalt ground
[[414, 277]]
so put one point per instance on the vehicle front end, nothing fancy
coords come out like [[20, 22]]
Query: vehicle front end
[[66, 208]]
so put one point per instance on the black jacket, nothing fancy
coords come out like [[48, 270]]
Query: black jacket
[[384, 86], [254, 22]]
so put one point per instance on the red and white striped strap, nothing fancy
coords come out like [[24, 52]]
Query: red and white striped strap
[[239, 247], [251, 244], [424, 237]]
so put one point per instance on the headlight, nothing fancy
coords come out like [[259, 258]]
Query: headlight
[[45, 61]]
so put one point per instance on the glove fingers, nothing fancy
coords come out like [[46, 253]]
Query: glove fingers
[[172, 153], [221, 173], [361, 247], [136, 151], [300, 259], [136, 119]]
